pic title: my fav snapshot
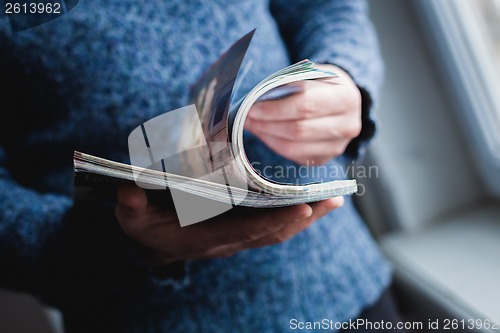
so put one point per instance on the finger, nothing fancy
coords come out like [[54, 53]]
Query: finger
[[308, 130], [323, 207], [237, 229], [317, 100], [305, 153], [224, 251], [130, 210], [281, 235], [319, 210], [218, 250], [214, 237]]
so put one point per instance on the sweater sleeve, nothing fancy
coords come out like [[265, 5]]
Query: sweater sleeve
[[66, 253], [26, 219], [62, 249], [337, 32]]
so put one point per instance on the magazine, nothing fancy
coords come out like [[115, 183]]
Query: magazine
[[199, 149]]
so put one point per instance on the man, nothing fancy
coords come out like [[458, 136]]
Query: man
[[85, 80]]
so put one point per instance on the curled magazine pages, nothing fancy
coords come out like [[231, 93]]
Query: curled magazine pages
[[199, 150]]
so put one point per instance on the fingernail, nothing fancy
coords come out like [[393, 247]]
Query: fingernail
[[338, 202]]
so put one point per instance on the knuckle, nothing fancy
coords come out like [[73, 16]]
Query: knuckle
[[353, 129], [353, 100], [308, 108], [299, 130], [338, 149], [249, 237], [356, 130], [279, 238]]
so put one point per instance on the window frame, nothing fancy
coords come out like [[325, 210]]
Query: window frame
[[462, 54]]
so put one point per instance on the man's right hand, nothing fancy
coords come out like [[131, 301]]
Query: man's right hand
[[158, 229]]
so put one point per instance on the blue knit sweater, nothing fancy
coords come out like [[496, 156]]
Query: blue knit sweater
[[84, 81]]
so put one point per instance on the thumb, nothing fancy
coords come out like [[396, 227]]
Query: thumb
[[131, 197]]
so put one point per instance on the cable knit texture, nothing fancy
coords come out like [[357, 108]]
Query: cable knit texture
[[84, 81]]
